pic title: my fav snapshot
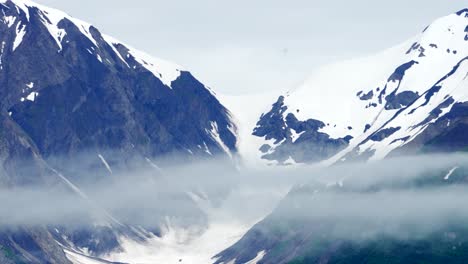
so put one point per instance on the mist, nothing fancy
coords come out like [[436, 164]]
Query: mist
[[401, 197]]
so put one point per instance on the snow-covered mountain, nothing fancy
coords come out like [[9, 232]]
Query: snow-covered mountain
[[79, 106], [410, 98], [70, 88]]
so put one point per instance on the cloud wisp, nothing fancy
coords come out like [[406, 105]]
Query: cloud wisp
[[381, 196]]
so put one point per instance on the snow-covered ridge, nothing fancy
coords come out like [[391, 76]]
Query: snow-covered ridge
[[383, 101], [24, 21], [166, 71]]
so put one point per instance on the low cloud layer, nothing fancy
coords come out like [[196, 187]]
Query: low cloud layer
[[385, 196]]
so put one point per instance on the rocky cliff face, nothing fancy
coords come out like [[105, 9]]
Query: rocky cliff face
[[74, 99], [71, 88]]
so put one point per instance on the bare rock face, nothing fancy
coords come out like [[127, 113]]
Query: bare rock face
[[67, 92]]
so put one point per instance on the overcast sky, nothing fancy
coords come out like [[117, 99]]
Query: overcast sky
[[257, 45]]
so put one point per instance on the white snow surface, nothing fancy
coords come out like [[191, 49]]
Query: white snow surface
[[259, 257], [214, 132], [8, 20], [193, 246], [246, 110], [166, 71], [20, 32], [1, 54], [77, 258], [104, 161], [447, 177], [330, 94], [32, 96]]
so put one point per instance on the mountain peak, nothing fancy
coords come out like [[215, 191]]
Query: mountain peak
[[18, 14], [388, 100], [42, 48], [447, 36]]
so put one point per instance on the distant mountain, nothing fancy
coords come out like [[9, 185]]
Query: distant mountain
[[74, 99], [408, 99]]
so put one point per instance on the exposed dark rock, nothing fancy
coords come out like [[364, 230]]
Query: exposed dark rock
[[298, 126], [463, 12], [404, 139], [371, 105], [430, 93], [311, 146], [447, 134], [401, 70], [399, 100], [88, 105], [414, 46], [265, 148], [367, 96], [30, 245], [435, 113], [272, 125], [382, 94], [421, 52], [384, 133], [367, 127]]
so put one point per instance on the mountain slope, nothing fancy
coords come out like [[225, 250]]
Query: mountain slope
[[318, 223], [72, 88], [410, 99], [371, 107], [78, 106]]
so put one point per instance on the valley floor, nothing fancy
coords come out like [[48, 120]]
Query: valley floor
[[228, 223]]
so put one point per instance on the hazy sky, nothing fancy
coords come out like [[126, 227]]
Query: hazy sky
[[248, 46]]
